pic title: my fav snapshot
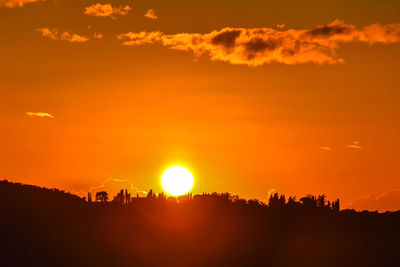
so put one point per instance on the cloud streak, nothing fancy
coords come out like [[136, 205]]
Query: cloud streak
[[39, 114], [16, 3], [150, 14], [355, 145], [68, 36], [259, 46], [106, 10]]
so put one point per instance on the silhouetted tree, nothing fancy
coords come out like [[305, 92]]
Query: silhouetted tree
[[309, 201], [273, 201], [276, 201], [225, 195], [336, 206], [127, 196], [119, 197], [162, 196], [254, 202], [292, 203], [151, 194], [102, 196], [236, 199], [282, 201], [321, 201]]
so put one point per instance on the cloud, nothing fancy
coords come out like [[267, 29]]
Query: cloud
[[98, 35], [259, 46], [16, 3], [326, 148], [106, 10], [389, 201], [355, 145], [54, 34], [39, 114], [280, 26], [140, 38], [114, 186], [150, 14]]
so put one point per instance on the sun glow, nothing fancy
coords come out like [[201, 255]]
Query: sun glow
[[177, 180]]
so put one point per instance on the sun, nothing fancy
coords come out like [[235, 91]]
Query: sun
[[177, 180]]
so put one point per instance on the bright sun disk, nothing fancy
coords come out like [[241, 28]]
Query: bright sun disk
[[177, 180]]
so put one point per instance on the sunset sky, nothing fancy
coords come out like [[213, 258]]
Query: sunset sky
[[252, 96]]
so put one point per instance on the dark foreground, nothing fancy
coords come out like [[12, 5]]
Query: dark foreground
[[41, 227]]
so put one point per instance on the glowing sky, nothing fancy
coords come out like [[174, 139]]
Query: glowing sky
[[252, 96]]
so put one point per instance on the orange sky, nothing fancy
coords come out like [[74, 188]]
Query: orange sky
[[115, 91]]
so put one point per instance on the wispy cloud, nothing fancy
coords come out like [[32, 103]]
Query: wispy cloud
[[140, 38], [16, 3], [150, 14], [68, 36], [326, 148], [355, 145], [39, 114], [106, 10], [259, 46], [389, 201], [280, 26]]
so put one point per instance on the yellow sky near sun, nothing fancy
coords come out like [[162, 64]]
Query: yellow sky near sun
[[129, 112]]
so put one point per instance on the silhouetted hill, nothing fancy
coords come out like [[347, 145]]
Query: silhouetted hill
[[44, 227]]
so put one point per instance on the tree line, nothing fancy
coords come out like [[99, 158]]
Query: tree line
[[275, 200]]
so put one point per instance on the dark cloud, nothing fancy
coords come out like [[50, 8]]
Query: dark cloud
[[326, 31], [226, 39], [258, 46]]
